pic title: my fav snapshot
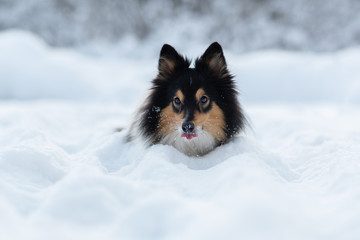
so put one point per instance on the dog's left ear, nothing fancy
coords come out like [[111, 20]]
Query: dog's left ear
[[170, 60], [214, 59]]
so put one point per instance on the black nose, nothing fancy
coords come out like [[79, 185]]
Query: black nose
[[188, 127]]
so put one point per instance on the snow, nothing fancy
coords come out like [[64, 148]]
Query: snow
[[65, 173]]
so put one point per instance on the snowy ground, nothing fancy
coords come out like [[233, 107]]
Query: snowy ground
[[64, 173]]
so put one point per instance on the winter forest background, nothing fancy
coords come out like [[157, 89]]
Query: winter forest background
[[71, 72], [242, 26]]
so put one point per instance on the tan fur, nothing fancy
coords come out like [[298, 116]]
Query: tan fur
[[180, 95], [212, 121], [200, 92], [218, 65], [169, 121], [166, 66]]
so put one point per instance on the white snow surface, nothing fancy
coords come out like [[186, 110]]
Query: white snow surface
[[65, 173]]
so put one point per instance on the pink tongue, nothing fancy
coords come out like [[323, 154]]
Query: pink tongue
[[189, 136]]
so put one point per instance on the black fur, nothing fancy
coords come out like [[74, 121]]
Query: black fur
[[210, 73], [222, 86]]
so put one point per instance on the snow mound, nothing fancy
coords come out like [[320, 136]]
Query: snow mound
[[66, 174], [296, 179]]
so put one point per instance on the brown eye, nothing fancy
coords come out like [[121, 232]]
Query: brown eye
[[177, 101], [203, 99]]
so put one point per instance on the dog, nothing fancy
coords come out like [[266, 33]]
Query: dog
[[192, 109]]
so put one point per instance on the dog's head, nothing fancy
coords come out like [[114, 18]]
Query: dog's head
[[193, 109]]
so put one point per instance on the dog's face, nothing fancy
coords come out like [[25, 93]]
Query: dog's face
[[192, 121], [192, 109]]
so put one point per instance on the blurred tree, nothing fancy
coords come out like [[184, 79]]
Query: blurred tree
[[244, 25]]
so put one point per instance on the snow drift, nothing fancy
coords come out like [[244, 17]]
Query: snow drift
[[65, 174]]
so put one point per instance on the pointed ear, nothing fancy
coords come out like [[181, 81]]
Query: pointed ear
[[214, 59], [169, 60]]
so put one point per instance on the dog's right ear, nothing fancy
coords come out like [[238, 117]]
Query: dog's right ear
[[170, 60], [215, 60]]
